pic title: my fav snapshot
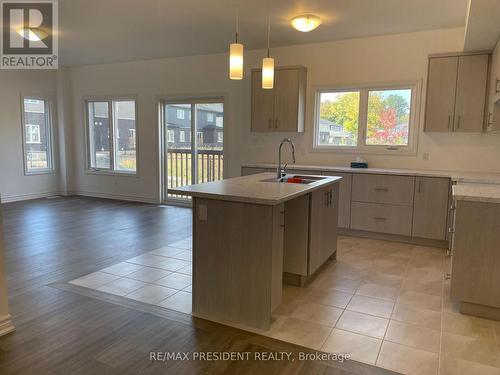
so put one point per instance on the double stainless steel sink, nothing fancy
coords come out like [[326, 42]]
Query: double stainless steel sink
[[295, 179]]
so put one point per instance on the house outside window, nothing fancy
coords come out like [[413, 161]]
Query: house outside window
[[220, 137], [33, 134], [180, 114], [182, 136], [170, 136], [210, 117]]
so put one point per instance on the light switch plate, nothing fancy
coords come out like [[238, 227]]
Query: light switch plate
[[202, 212]]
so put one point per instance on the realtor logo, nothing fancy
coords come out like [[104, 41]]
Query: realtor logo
[[29, 35]]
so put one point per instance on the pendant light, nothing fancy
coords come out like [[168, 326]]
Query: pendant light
[[236, 58], [268, 64]]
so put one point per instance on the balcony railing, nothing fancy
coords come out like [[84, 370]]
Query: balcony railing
[[179, 167]]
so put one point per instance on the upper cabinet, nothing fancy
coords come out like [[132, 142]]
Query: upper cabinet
[[281, 109], [456, 93]]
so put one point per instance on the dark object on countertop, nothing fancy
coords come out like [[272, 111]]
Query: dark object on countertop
[[356, 164]]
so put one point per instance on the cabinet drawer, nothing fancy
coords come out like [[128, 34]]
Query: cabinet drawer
[[381, 218], [380, 188]]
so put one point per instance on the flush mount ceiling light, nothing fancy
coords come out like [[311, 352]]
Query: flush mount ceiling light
[[236, 58], [305, 22]]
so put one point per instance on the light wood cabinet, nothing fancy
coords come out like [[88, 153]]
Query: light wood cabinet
[[281, 109], [381, 218], [456, 93], [380, 188], [345, 186], [493, 119], [430, 207], [323, 226]]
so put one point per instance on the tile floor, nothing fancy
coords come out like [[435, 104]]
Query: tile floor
[[386, 303]]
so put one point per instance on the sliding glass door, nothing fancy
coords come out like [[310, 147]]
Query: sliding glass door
[[193, 138]]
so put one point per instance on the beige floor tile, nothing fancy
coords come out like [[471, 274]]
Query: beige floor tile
[[474, 349], [430, 287], [185, 255], [378, 291], [175, 281], [407, 360], [457, 366], [171, 264], [183, 244], [122, 286], [383, 279], [361, 348], [122, 268], [314, 312], [330, 280], [187, 270], [419, 299], [151, 294], [166, 251], [424, 274], [148, 274], [180, 301], [94, 280], [330, 297], [301, 332], [413, 335], [362, 323], [417, 315], [468, 325], [372, 306], [347, 272]]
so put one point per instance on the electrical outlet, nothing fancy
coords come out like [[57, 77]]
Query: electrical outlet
[[202, 212]]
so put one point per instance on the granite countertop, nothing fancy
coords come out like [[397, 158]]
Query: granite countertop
[[488, 193], [457, 176], [252, 189]]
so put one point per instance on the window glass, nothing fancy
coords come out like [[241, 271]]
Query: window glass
[[338, 118], [124, 131], [37, 135], [388, 117], [180, 114], [99, 135]]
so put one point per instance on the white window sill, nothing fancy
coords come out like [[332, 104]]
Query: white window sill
[[39, 172], [367, 150], [104, 172]]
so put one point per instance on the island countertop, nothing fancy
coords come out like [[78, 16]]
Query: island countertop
[[487, 193], [253, 189]]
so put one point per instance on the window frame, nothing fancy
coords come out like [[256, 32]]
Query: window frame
[[362, 147], [111, 170], [49, 118]]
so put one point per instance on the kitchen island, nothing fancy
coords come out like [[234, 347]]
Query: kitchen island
[[248, 231]]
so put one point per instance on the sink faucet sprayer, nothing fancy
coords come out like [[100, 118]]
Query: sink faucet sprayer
[[282, 171]]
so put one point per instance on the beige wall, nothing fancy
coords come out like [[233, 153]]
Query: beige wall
[[382, 59], [14, 184], [6, 325]]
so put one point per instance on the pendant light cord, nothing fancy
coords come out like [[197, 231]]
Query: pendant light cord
[[268, 33], [237, 28]]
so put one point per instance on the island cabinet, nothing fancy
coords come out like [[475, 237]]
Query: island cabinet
[[456, 93], [282, 108], [310, 233]]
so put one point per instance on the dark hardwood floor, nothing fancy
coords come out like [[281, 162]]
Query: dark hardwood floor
[[60, 332]]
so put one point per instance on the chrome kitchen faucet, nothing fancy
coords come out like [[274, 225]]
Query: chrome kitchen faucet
[[282, 171]]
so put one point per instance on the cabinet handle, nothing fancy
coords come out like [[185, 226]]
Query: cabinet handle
[[449, 252], [419, 187], [497, 86], [447, 276], [381, 189], [458, 121], [449, 121], [276, 123], [270, 123], [380, 218]]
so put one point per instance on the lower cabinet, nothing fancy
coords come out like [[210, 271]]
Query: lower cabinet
[[430, 207], [382, 218], [345, 186], [310, 231]]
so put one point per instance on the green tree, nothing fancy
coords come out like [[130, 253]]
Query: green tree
[[399, 104], [343, 111]]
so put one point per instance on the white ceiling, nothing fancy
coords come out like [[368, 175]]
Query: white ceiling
[[483, 25], [103, 31]]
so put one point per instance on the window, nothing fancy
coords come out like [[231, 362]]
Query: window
[[33, 133], [180, 114], [37, 135], [366, 119], [182, 136], [220, 137], [170, 136], [111, 133], [199, 138], [210, 117]]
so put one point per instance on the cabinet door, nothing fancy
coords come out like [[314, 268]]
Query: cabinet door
[[323, 226], [286, 100], [441, 89], [344, 204], [430, 210], [471, 93], [262, 105]]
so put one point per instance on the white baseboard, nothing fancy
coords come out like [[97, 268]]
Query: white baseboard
[[25, 197], [132, 198], [6, 325]]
